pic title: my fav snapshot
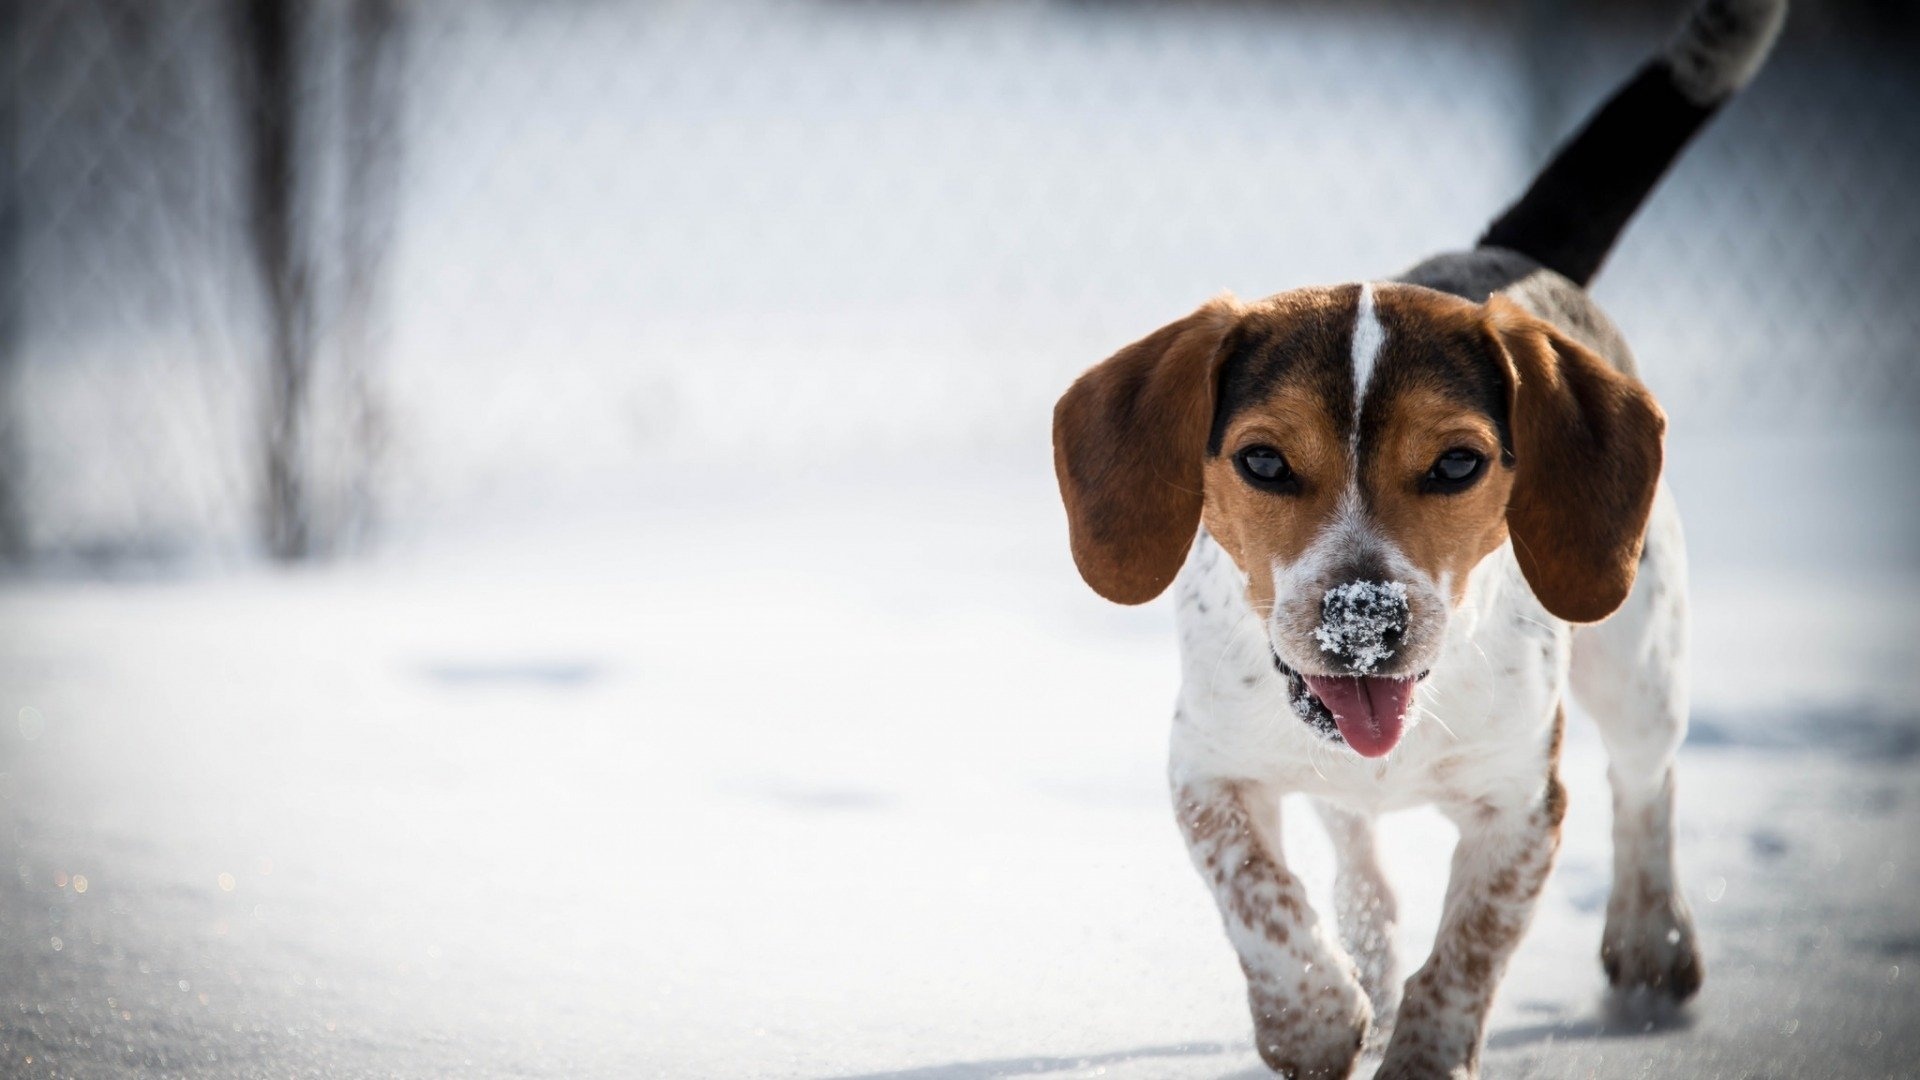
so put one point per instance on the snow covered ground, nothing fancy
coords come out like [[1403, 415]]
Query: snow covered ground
[[849, 776]]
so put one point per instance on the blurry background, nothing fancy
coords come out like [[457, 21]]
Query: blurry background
[[520, 251], [535, 496]]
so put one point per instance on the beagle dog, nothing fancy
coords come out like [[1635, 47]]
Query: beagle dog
[[1403, 519]]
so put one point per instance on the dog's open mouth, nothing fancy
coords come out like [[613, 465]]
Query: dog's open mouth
[[1367, 712]]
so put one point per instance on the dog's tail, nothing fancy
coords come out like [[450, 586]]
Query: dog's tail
[[1578, 205]]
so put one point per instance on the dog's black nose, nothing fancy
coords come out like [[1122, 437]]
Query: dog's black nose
[[1362, 624]]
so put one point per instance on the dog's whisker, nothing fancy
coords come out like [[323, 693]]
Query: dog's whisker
[[1484, 658], [1231, 639], [1435, 717], [1314, 750]]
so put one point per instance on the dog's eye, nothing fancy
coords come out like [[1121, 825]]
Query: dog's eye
[[1455, 470], [1266, 468]]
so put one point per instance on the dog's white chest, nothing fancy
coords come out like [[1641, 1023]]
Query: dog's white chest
[[1478, 720]]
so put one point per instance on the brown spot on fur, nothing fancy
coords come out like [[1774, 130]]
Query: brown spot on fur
[[1555, 801], [1207, 818], [1310, 1018], [1503, 883], [1252, 889], [1443, 1018]]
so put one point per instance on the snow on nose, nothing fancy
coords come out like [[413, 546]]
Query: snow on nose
[[1362, 623]]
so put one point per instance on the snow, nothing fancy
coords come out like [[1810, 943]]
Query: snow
[[1358, 616], [850, 776]]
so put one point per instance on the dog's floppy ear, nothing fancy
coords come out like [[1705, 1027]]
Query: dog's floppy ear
[[1128, 439], [1587, 453]]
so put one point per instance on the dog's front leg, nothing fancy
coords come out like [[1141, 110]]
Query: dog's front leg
[[1309, 1014], [1502, 860]]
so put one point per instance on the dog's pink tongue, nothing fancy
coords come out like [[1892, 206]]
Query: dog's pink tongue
[[1370, 710]]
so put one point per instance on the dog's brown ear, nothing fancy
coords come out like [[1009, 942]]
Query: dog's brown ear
[[1587, 453], [1128, 439]]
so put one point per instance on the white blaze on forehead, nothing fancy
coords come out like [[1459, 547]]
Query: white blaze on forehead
[[1368, 337]]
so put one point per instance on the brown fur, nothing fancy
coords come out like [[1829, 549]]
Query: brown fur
[[1418, 412], [1253, 526], [1130, 450], [1128, 438], [1440, 536], [1588, 442]]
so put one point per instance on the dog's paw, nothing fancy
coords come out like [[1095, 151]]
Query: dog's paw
[[1650, 948], [1384, 1014], [1330, 1058], [1313, 1033], [1432, 1044], [1418, 1068]]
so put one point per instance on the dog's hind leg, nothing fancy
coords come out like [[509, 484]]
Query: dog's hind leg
[[1366, 910], [1629, 673]]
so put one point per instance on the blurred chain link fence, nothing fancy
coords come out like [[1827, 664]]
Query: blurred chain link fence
[[528, 250]]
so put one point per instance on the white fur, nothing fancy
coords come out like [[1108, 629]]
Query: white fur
[[1301, 586], [1368, 338], [1500, 669], [1630, 674], [1721, 45], [1236, 721]]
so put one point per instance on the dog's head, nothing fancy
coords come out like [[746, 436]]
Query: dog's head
[[1357, 451]]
